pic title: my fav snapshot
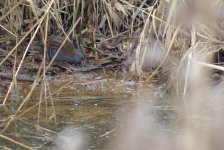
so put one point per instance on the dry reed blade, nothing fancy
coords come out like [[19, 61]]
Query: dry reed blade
[[15, 142]]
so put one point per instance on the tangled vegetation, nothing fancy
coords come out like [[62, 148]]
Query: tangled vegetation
[[118, 35]]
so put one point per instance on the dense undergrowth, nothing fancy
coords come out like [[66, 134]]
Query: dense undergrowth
[[147, 38]]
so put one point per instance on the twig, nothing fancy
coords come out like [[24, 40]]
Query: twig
[[9, 77], [106, 133]]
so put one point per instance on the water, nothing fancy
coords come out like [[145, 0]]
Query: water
[[89, 114], [96, 113]]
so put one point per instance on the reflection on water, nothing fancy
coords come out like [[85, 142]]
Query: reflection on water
[[90, 118], [115, 115]]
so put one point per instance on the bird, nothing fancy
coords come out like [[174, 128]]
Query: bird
[[68, 53]]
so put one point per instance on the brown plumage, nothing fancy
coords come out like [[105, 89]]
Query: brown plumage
[[68, 52]]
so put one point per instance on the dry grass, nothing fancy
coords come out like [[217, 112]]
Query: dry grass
[[187, 32]]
